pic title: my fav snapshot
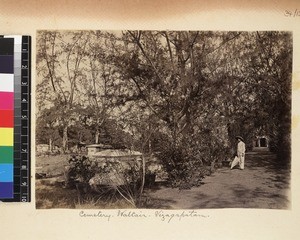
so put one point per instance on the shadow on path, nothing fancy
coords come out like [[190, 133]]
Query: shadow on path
[[264, 183]]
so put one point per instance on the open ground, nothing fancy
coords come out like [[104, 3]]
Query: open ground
[[264, 183]]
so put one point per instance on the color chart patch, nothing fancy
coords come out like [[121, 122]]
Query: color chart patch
[[15, 118], [7, 113]]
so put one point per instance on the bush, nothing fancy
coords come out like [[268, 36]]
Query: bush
[[110, 179], [80, 169], [190, 161]]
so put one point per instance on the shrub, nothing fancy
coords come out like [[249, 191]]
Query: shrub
[[109, 179], [80, 169], [188, 162]]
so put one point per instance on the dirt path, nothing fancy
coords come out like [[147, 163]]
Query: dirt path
[[262, 184]]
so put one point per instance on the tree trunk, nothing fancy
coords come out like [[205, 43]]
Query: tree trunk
[[284, 136], [80, 137], [97, 136], [50, 145], [143, 180], [65, 139], [149, 147]]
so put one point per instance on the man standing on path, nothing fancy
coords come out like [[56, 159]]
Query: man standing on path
[[240, 158]]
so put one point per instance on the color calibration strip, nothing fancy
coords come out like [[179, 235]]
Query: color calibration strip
[[6, 117], [17, 120]]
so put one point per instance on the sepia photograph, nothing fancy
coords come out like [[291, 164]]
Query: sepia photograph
[[138, 119]]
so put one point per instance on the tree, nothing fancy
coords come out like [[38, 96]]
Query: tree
[[47, 128], [164, 75], [97, 86], [59, 60], [184, 94]]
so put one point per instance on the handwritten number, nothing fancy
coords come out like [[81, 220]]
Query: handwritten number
[[287, 13], [295, 13]]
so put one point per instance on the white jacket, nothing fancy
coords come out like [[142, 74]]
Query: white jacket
[[241, 149]]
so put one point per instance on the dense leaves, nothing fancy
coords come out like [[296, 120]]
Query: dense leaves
[[183, 95]]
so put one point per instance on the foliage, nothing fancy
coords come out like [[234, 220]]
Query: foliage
[[184, 94], [189, 163], [81, 169], [111, 179]]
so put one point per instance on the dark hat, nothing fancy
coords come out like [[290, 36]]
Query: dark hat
[[239, 137]]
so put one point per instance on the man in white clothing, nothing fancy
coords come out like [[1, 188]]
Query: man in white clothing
[[240, 158]]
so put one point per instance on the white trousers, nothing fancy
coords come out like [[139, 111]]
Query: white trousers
[[238, 160]]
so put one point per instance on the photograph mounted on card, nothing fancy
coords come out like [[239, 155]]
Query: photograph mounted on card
[[154, 119]]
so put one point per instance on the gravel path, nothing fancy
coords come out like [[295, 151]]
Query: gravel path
[[262, 184]]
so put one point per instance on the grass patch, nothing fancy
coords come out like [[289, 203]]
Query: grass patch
[[51, 165], [48, 197]]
